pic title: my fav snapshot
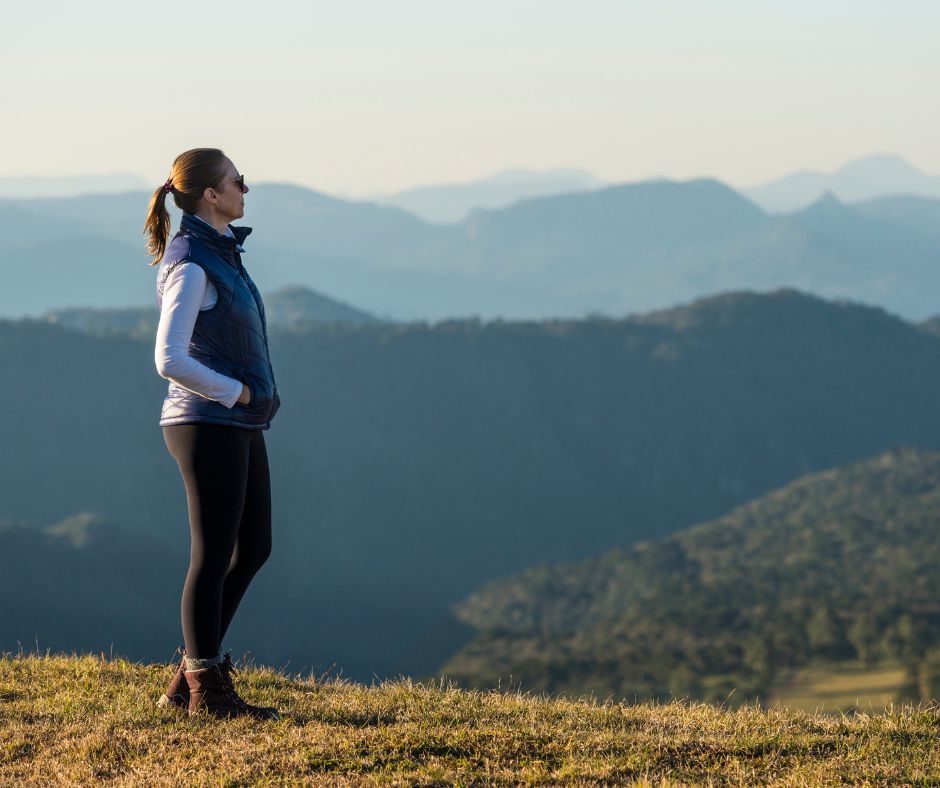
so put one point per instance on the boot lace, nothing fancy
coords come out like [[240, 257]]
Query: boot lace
[[227, 668]]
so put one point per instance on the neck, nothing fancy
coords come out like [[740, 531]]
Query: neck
[[217, 220]]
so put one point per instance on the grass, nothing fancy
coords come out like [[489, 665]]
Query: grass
[[86, 719]]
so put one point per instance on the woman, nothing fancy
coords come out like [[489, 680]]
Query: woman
[[212, 345]]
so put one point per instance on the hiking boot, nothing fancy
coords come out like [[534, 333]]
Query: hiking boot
[[228, 668], [177, 692], [211, 690]]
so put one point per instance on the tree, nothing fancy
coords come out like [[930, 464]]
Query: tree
[[928, 675], [826, 635], [863, 635]]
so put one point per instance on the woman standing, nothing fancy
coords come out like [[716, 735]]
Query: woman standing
[[212, 345]]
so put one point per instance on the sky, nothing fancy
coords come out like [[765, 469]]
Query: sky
[[363, 97]]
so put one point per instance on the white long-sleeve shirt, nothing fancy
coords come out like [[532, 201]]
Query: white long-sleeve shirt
[[186, 292]]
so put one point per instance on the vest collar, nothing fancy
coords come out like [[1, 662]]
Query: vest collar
[[225, 245]]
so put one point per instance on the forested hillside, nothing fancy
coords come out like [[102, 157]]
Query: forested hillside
[[843, 564], [411, 463], [287, 309]]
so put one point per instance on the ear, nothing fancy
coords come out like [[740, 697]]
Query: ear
[[210, 195]]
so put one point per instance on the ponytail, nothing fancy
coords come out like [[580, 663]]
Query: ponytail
[[157, 226], [193, 172]]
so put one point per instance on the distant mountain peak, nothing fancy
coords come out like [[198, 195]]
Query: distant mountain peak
[[296, 304], [523, 175], [744, 307], [827, 204], [880, 165], [451, 203], [669, 190], [877, 175]]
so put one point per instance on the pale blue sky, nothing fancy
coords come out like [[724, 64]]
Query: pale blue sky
[[364, 96]]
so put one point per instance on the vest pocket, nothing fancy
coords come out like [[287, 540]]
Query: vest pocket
[[241, 375], [262, 395]]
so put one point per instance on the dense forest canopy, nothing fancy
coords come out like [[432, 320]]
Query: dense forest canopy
[[842, 564]]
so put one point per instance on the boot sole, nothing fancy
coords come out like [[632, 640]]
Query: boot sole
[[205, 712]]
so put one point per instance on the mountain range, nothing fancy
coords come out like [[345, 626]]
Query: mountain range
[[614, 250], [449, 203], [866, 178], [869, 178]]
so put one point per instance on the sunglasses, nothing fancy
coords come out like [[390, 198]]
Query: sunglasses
[[240, 183]]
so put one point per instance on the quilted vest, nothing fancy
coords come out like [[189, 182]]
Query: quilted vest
[[230, 337]]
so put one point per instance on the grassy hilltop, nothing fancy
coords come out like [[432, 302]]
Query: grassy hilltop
[[68, 720]]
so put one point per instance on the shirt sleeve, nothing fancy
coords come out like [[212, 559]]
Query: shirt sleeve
[[183, 294]]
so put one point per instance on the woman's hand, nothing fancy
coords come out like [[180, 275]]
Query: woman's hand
[[245, 397]]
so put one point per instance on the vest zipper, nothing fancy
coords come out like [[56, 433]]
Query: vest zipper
[[264, 322]]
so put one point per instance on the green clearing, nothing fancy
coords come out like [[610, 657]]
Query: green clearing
[[842, 688]]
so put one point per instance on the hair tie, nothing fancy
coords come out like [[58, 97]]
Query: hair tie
[[168, 186]]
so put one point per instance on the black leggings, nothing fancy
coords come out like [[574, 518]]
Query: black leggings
[[228, 493]]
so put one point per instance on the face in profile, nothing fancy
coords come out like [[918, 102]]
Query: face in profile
[[231, 193]]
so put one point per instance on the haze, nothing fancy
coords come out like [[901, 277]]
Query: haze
[[367, 97]]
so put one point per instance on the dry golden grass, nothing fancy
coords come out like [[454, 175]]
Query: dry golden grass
[[84, 719]]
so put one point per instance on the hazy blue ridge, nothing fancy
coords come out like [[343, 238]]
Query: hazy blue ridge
[[613, 250]]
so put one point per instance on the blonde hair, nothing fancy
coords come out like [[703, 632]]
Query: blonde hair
[[192, 173]]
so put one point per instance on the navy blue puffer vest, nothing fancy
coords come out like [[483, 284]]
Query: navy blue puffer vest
[[230, 337]]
